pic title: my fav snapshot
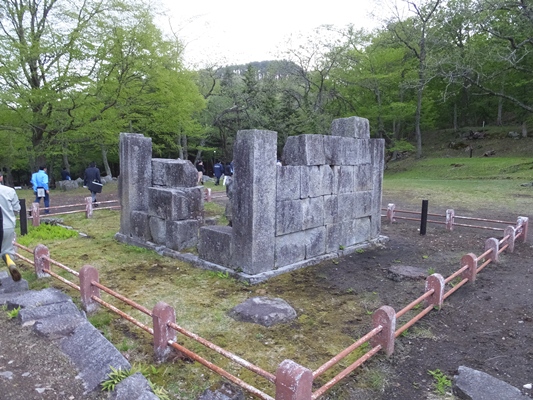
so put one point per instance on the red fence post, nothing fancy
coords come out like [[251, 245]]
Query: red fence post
[[35, 213], [510, 231], [386, 317], [450, 216], [293, 382], [469, 259], [40, 260], [390, 212], [88, 207], [88, 274], [437, 283], [522, 223], [162, 316], [494, 244]]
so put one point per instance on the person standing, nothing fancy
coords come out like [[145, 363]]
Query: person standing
[[92, 175], [65, 175], [218, 170], [201, 170], [9, 203], [39, 181]]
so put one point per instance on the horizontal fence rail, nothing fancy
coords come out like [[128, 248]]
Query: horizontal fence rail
[[291, 380]]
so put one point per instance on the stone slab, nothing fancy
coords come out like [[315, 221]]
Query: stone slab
[[175, 204], [263, 311], [158, 229], [182, 234], [92, 354], [33, 298], [140, 225], [215, 244], [134, 387], [471, 384], [313, 212], [225, 391], [288, 182], [315, 242], [354, 127], [304, 149], [399, 273], [59, 326], [29, 314], [290, 249], [340, 150], [8, 285], [173, 173], [289, 216]]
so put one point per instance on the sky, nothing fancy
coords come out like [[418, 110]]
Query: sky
[[240, 31]]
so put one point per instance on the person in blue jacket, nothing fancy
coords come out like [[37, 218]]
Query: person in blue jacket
[[218, 170], [39, 182]]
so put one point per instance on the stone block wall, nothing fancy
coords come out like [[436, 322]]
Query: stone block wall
[[159, 197]]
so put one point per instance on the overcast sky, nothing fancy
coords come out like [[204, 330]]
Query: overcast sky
[[239, 31]]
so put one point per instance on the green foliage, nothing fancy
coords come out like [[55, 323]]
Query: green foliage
[[442, 383], [45, 232], [100, 319], [118, 375], [13, 313]]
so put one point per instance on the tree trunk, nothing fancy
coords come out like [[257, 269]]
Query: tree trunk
[[184, 151], [455, 126], [524, 129], [106, 163], [65, 158]]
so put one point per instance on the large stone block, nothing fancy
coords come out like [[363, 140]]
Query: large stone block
[[340, 150], [364, 179], [346, 206], [289, 182], [331, 209], [311, 183], [254, 202], [140, 225], [375, 225], [345, 179], [182, 234], [304, 150], [289, 216], [176, 204], [313, 212], [362, 230], [362, 204], [173, 173], [216, 244], [290, 249], [135, 178], [158, 230], [354, 127], [365, 149], [315, 242], [334, 237]]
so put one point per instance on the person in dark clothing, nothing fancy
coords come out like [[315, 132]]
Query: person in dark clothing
[[65, 175], [218, 170], [92, 175], [228, 172]]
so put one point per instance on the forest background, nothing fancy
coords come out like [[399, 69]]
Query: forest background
[[73, 74]]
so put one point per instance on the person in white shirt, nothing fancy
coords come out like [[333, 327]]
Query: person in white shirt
[[9, 203]]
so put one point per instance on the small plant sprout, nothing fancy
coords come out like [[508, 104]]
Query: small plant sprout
[[425, 257], [360, 251], [341, 247], [336, 262], [431, 271], [13, 313], [442, 382]]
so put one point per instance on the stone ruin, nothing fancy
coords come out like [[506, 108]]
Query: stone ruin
[[324, 201]]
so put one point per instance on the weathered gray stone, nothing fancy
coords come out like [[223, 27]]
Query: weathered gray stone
[[264, 311], [340, 150], [315, 242], [331, 210], [173, 173], [362, 230], [59, 326], [134, 387], [470, 384], [67, 185], [254, 208], [334, 237], [364, 180], [304, 150], [362, 206], [29, 314], [345, 179], [313, 212], [346, 206], [289, 216], [288, 182], [182, 234], [176, 204], [354, 127], [8, 285], [32, 298], [290, 249], [140, 225], [92, 354], [311, 183], [216, 245], [135, 177], [158, 230], [224, 392], [399, 273], [329, 180], [365, 150]]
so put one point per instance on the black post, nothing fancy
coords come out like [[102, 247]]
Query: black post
[[23, 218], [424, 217]]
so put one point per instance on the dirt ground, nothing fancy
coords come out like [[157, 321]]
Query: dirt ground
[[487, 326]]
